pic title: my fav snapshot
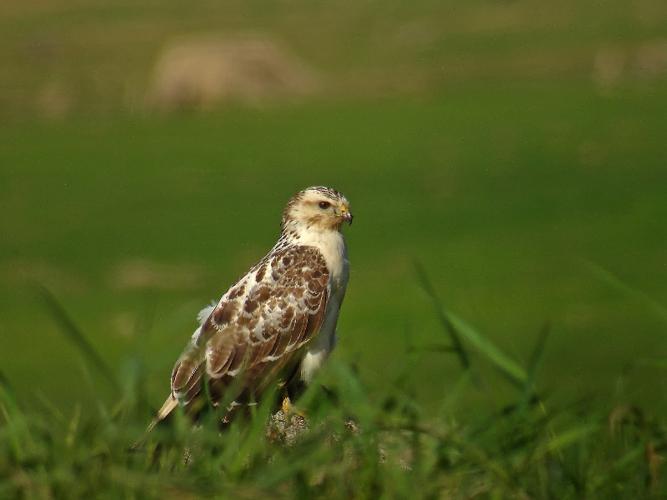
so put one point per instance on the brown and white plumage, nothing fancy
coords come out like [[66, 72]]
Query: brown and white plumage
[[278, 320]]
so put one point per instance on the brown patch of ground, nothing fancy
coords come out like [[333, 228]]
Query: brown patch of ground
[[200, 72], [145, 274], [23, 272], [614, 65]]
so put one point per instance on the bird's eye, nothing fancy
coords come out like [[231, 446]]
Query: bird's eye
[[324, 205]]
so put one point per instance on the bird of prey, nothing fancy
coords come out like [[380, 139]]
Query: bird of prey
[[276, 323]]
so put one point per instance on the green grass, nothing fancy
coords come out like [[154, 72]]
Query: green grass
[[527, 449], [525, 205], [99, 57], [504, 332], [503, 194]]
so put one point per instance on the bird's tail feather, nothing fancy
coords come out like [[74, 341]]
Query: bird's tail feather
[[168, 406]]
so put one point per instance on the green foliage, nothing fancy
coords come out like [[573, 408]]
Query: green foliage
[[357, 446], [515, 149], [137, 223]]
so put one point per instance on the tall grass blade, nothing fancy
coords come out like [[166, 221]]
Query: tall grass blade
[[615, 282], [457, 328], [534, 363], [6, 385], [74, 334], [13, 421], [565, 439], [500, 360], [427, 286]]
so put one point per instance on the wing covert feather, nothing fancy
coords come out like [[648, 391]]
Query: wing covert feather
[[259, 324]]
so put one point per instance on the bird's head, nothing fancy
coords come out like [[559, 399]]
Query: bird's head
[[316, 208]]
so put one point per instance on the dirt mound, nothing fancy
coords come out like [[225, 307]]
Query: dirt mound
[[204, 71], [645, 62]]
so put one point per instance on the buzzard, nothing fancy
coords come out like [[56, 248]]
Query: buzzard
[[278, 322]]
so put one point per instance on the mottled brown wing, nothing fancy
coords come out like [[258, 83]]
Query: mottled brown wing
[[258, 326]]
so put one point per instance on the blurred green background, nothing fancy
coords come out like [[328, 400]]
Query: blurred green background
[[516, 149]]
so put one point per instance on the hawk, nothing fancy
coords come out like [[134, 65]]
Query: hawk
[[278, 322]]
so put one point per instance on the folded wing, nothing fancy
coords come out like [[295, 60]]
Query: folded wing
[[257, 328]]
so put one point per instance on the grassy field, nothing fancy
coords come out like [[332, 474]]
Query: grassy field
[[517, 200], [508, 196], [531, 198]]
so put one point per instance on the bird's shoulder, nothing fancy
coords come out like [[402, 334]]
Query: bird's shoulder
[[287, 272]]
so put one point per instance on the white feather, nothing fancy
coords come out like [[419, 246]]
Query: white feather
[[205, 313], [332, 246]]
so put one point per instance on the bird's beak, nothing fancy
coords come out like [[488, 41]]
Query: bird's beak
[[346, 215]]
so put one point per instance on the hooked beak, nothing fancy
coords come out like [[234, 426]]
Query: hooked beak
[[346, 215]]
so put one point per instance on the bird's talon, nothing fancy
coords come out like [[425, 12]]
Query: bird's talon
[[286, 406]]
